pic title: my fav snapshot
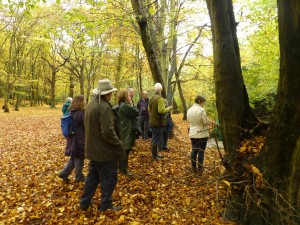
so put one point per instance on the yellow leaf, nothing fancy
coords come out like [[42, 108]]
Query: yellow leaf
[[135, 223], [121, 219], [226, 182], [102, 217], [155, 216], [203, 220], [243, 149], [255, 170]]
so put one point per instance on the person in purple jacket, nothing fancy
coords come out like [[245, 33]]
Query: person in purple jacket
[[142, 106], [75, 142]]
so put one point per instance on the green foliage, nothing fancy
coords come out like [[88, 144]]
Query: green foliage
[[260, 50], [101, 40]]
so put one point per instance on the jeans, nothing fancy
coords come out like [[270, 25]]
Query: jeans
[[198, 148], [76, 163], [104, 173], [157, 139], [144, 124]]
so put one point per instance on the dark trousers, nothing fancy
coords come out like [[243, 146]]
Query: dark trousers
[[165, 139], [198, 148], [144, 124], [104, 173], [76, 163], [157, 139], [123, 163]]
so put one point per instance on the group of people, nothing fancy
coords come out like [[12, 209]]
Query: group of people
[[103, 134]]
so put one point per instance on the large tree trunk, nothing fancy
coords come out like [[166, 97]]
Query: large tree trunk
[[279, 203], [231, 95], [148, 44], [283, 155]]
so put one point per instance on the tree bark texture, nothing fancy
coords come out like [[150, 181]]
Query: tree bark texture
[[283, 155], [148, 44], [232, 99]]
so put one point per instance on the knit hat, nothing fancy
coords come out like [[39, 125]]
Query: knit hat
[[69, 99], [104, 87]]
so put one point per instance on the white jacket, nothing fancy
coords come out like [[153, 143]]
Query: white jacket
[[197, 118]]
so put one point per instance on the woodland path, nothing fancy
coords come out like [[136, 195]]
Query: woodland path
[[161, 192]]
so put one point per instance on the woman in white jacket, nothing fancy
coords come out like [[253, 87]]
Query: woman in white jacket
[[198, 132]]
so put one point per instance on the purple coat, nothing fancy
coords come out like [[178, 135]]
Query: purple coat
[[75, 143]]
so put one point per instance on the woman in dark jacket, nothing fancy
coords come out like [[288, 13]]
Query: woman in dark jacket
[[127, 114], [75, 142]]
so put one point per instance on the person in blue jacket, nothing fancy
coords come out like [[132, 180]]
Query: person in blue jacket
[[66, 106]]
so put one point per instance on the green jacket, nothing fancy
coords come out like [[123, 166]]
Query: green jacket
[[127, 114], [65, 109], [157, 111], [102, 134]]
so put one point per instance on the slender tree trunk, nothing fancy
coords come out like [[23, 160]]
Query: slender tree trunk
[[173, 67], [148, 44], [139, 67], [53, 84], [71, 86]]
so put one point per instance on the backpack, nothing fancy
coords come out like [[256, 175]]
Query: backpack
[[67, 126]]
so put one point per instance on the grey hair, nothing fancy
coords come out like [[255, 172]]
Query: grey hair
[[158, 87]]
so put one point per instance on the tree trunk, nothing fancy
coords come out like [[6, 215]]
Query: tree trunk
[[231, 95], [231, 101], [52, 94], [182, 99], [148, 44], [173, 67], [279, 203], [139, 67], [71, 86], [81, 77], [283, 155]]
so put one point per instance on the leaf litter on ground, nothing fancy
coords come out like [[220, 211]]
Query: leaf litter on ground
[[160, 192]]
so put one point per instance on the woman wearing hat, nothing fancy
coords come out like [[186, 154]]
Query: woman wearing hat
[[103, 147]]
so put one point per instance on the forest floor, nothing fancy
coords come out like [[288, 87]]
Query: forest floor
[[160, 192]]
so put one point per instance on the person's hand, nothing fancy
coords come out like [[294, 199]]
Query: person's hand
[[170, 108]]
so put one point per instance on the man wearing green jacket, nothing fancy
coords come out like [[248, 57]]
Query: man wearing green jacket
[[103, 147], [157, 120]]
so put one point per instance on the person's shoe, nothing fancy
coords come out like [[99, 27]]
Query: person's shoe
[[160, 156], [127, 173], [194, 170], [65, 179], [155, 158], [84, 207], [200, 171], [113, 208], [81, 180]]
